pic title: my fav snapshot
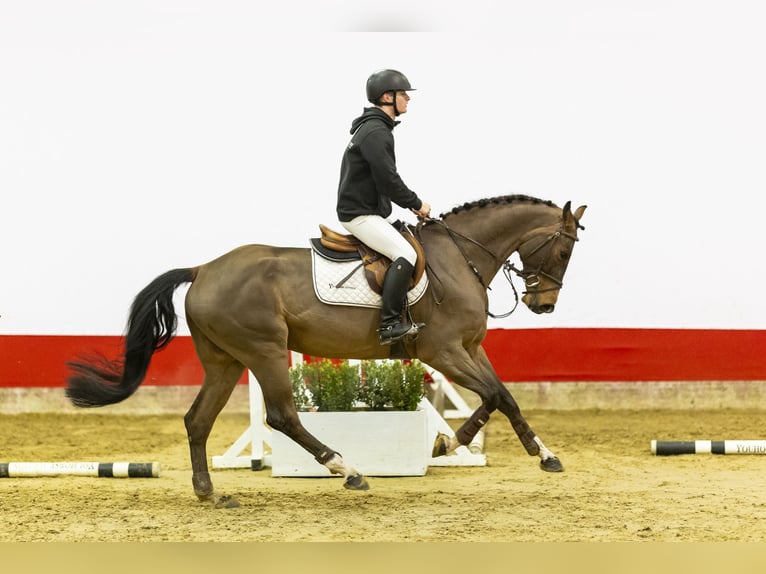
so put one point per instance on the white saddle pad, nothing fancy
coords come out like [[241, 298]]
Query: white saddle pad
[[355, 292]]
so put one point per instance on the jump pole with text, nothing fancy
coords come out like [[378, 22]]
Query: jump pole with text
[[97, 469], [671, 447]]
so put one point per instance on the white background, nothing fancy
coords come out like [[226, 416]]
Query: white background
[[136, 137]]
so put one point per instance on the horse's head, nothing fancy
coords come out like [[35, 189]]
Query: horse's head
[[545, 255]]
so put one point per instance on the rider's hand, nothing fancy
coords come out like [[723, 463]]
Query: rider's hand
[[424, 211]]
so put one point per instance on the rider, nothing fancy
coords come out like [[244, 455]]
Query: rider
[[369, 182]]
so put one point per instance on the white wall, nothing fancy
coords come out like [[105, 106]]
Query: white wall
[[136, 137]]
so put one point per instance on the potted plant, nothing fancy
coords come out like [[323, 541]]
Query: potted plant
[[368, 412]]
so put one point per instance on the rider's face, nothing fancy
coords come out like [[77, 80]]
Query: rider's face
[[402, 99]]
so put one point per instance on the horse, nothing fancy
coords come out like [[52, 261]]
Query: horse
[[248, 308]]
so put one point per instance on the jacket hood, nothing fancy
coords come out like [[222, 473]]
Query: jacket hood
[[372, 114]]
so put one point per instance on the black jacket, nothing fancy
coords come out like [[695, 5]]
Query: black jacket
[[369, 181]]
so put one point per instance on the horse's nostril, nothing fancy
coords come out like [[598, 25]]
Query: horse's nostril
[[542, 309]]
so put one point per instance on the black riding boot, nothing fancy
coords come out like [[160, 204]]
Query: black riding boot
[[395, 286]]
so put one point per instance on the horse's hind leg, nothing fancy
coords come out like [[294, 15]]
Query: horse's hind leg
[[221, 375], [271, 371]]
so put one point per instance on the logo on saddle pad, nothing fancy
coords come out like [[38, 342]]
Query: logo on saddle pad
[[347, 272]]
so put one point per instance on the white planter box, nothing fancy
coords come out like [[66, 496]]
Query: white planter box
[[376, 443]]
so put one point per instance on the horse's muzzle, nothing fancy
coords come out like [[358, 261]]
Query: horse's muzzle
[[541, 303], [541, 309]]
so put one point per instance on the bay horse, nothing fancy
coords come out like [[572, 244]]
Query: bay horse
[[249, 307]]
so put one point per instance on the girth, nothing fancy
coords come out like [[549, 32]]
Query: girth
[[341, 247]]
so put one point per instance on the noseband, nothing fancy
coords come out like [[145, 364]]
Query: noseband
[[531, 278]]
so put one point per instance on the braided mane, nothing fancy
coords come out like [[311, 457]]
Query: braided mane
[[496, 201]]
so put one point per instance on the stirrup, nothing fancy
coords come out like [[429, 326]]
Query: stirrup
[[392, 333]]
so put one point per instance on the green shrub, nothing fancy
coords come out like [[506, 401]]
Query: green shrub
[[324, 385], [374, 385], [391, 384]]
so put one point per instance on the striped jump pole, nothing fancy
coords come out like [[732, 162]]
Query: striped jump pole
[[670, 447], [97, 469]]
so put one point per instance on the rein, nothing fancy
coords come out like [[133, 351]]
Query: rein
[[452, 234], [531, 278]]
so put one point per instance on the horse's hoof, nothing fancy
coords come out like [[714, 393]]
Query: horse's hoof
[[552, 464], [356, 482], [440, 445], [226, 501]]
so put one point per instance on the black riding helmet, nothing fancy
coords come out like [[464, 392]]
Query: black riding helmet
[[387, 81]]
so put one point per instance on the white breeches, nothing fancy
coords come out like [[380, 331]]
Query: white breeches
[[383, 237]]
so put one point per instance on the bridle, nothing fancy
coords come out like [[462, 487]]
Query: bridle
[[531, 278]]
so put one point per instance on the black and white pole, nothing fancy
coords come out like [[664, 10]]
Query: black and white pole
[[670, 447], [98, 469]]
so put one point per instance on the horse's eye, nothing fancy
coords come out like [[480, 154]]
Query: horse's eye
[[565, 255]]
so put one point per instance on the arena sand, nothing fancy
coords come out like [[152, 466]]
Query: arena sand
[[613, 488]]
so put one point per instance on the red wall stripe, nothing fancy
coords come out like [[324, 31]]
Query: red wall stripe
[[519, 355], [40, 360], [627, 354]]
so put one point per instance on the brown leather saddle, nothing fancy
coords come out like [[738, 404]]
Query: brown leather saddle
[[341, 247]]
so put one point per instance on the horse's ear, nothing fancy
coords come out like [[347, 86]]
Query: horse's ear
[[573, 219]]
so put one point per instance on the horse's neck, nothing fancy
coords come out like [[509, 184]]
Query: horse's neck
[[499, 229]]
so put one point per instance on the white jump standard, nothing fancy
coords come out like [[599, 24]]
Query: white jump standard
[[671, 447], [97, 469]]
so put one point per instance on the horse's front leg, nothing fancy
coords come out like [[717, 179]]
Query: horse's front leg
[[459, 366], [475, 372], [508, 406], [548, 461], [464, 436]]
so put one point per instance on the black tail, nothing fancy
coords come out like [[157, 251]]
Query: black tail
[[151, 325]]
